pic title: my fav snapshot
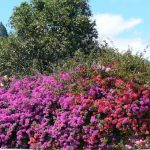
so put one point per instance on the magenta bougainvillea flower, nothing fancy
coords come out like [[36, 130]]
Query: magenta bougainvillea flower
[[82, 109]]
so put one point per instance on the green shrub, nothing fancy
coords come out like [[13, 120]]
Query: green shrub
[[126, 65]]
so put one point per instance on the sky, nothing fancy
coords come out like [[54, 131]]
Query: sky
[[124, 24]]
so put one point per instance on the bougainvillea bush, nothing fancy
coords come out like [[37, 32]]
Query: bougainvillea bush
[[81, 109]]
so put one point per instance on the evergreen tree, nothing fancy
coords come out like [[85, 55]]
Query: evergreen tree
[[3, 31]]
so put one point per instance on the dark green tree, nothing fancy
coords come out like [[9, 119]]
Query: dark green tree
[[3, 31], [54, 29]]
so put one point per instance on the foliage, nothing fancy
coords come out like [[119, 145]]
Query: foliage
[[132, 67], [3, 31], [129, 66], [81, 109], [14, 58], [50, 31]]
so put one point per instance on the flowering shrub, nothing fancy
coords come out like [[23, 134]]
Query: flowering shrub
[[82, 109]]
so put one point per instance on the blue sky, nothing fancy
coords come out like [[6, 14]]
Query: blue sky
[[124, 22], [127, 9], [6, 8]]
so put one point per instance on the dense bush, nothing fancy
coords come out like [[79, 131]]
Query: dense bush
[[81, 109], [14, 58], [126, 65]]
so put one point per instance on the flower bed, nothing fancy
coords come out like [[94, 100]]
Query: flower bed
[[82, 109]]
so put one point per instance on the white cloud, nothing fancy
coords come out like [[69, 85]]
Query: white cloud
[[135, 44], [110, 26]]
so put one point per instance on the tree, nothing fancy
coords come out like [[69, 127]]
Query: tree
[[54, 29], [3, 31]]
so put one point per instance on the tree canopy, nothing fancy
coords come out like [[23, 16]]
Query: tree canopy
[[45, 33], [54, 29]]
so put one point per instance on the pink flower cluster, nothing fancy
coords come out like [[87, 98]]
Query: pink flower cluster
[[83, 109]]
